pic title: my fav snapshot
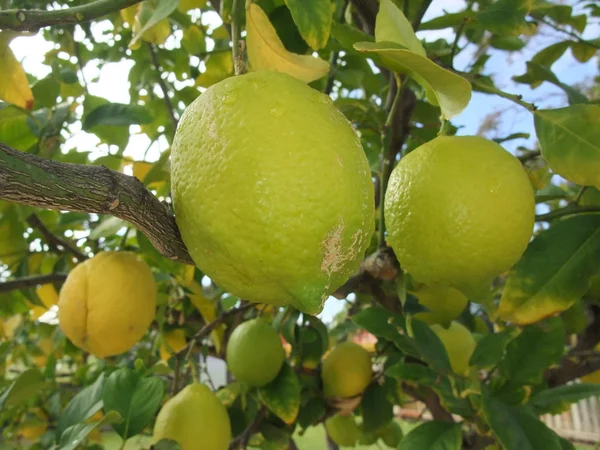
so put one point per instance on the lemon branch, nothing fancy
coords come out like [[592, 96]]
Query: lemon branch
[[236, 50], [34, 19], [566, 211], [31, 180], [518, 99], [162, 85], [56, 243], [31, 281]]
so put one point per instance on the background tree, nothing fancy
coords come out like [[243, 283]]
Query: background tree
[[62, 202]]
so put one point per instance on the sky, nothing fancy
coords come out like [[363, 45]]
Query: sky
[[109, 83]]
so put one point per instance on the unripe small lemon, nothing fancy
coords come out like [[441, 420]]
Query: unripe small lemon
[[346, 371], [459, 211], [272, 190], [444, 304], [195, 418], [459, 344], [107, 303], [255, 353], [343, 430]]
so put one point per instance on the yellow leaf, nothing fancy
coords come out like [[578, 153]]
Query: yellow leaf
[[266, 51], [208, 310], [14, 86], [128, 14], [47, 295], [11, 324], [141, 169], [173, 342], [218, 67]]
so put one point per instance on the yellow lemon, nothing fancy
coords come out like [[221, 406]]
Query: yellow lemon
[[107, 303], [346, 370], [272, 190], [459, 211], [444, 304], [173, 342], [255, 353], [196, 419], [459, 344], [343, 430]]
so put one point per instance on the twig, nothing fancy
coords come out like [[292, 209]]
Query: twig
[[389, 155], [456, 39], [580, 194], [242, 440], [518, 99], [566, 211], [570, 33], [34, 19], [162, 85], [529, 156], [206, 329], [236, 51], [27, 282], [416, 23], [55, 242], [35, 181], [333, 59]]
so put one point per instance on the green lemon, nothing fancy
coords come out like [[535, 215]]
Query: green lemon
[[272, 190], [459, 344], [343, 430], [459, 211], [346, 370], [255, 353], [444, 304], [195, 418]]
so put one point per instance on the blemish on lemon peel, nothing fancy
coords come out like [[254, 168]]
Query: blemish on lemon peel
[[333, 255]]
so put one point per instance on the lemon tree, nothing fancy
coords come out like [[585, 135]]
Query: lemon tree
[[243, 224]]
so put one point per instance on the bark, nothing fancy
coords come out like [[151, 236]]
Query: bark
[[27, 282], [43, 183]]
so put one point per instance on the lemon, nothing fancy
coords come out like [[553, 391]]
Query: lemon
[[459, 211], [107, 303], [195, 418], [255, 353], [444, 304], [346, 370], [343, 430], [173, 341], [459, 344], [272, 190]]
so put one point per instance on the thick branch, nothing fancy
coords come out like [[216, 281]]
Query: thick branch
[[32, 281], [35, 181], [34, 19], [55, 242]]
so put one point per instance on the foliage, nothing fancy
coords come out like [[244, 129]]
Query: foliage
[[399, 91]]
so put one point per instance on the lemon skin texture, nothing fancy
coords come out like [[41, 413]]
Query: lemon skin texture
[[195, 418], [459, 211], [459, 344], [346, 371], [343, 430], [107, 303], [255, 353], [444, 304], [272, 190]]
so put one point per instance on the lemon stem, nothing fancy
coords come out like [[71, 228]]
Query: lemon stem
[[518, 99], [580, 194], [387, 161], [444, 128], [238, 61]]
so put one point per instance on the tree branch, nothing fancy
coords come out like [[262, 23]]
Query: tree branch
[[163, 86], [566, 211], [27, 282], [35, 181], [242, 440], [432, 402], [53, 241], [34, 19]]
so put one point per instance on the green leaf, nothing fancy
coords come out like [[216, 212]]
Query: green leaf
[[388, 325], [117, 114], [76, 434], [313, 19], [83, 405], [376, 409], [135, 398], [570, 142], [529, 355], [558, 400], [451, 20], [392, 26], [445, 89], [433, 436], [546, 57], [14, 130], [543, 73], [510, 43], [412, 372], [490, 349], [26, 386], [506, 17], [193, 40], [321, 329], [516, 427], [348, 35], [282, 395], [549, 278], [312, 411], [431, 349], [163, 9], [581, 51], [45, 92]]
